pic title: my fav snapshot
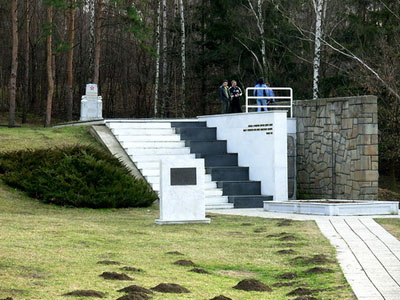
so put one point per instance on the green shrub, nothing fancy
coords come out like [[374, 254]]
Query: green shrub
[[79, 176]]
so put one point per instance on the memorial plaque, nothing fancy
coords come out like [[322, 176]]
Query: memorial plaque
[[183, 176]]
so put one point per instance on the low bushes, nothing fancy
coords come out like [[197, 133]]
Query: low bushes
[[79, 176]]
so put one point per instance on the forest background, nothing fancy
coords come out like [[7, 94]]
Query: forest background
[[166, 58]]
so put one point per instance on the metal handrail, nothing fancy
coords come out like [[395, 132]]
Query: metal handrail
[[290, 98]]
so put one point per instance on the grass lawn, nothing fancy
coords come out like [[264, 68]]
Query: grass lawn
[[39, 137], [46, 251], [391, 225]]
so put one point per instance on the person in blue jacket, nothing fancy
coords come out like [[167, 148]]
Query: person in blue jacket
[[263, 92]]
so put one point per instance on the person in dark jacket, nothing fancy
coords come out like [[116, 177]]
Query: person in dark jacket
[[223, 93], [235, 93]]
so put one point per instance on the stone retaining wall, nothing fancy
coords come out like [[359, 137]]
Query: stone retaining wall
[[337, 147]]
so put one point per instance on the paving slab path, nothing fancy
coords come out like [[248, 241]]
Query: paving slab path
[[368, 255]]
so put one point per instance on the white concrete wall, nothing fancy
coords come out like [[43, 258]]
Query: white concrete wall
[[265, 154]]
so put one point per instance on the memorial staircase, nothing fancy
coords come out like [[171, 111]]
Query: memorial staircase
[[227, 185]]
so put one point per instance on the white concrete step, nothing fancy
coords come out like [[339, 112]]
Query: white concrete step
[[149, 138], [134, 125], [207, 178], [157, 151], [148, 164], [153, 179], [210, 185], [152, 144], [219, 206], [213, 192], [157, 157], [150, 172], [216, 200], [142, 131]]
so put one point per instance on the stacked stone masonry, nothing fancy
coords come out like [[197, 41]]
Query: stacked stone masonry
[[337, 148]]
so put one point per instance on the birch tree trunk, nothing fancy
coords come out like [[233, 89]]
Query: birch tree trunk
[[91, 11], [97, 49], [258, 15], [49, 67], [156, 86], [318, 7], [14, 62], [183, 56], [164, 61], [27, 61], [71, 38]]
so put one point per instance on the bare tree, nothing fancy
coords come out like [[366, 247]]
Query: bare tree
[[319, 8], [165, 80], [97, 49], [157, 80], [49, 67], [27, 60], [70, 57], [183, 56], [14, 62], [92, 17], [257, 12]]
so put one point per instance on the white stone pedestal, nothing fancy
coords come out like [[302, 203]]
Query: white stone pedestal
[[182, 192], [91, 104]]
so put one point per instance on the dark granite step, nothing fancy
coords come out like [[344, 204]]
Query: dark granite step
[[178, 124], [250, 201], [220, 160], [228, 173], [197, 133], [207, 147], [236, 188]]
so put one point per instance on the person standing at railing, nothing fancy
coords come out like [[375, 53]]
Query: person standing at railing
[[224, 94], [270, 94], [235, 93], [263, 91]]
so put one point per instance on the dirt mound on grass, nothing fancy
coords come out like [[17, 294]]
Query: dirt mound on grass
[[320, 259], [275, 235], [170, 288], [184, 262], [285, 222], [252, 285], [286, 251], [305, 298], [246, 224], [135, 289], [287, 276], [300, 292], [318, 270], [84, 293], [289, 237], [316, 259], [221, 297], [131, 269], [200, 271], [9, 298], [108, 262], [174, 253], [260, 229], [115, 276], [135, 296]]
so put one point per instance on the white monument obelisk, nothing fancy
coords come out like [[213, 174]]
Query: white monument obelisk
[[91, 104]]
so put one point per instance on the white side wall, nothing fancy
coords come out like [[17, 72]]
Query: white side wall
[[265, 154]]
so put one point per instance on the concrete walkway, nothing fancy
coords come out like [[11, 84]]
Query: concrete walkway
[[368, 254]]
